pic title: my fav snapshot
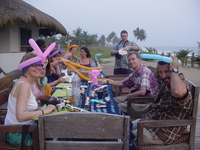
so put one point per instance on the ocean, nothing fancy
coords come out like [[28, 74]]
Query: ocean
[[172, 49]]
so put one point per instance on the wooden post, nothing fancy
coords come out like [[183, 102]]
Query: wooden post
[[192, 60]]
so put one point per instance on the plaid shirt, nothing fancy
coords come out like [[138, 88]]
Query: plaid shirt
[[168, 107], [143, 79], [123, 61]]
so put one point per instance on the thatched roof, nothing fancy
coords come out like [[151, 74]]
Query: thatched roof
[[13, 11]]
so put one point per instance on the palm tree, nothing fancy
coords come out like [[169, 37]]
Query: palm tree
[[110, 37], [77, 36], [102, 41], [183, 55], [140, 34], [115, 40]]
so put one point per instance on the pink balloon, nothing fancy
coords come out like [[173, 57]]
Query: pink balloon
[[28, 62], [35, 47], [49, 49], [41, 56]]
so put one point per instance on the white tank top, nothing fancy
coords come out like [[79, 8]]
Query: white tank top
[[11, 118]]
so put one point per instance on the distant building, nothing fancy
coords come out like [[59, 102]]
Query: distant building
[[20, 21]]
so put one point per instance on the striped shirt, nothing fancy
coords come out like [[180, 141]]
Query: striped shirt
[[143, 79], [168, 107]]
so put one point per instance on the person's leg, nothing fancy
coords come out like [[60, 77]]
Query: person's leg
[[119, 99], [121, 71], [148, 138]]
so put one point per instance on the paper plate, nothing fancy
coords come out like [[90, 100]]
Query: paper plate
[[122, 52]]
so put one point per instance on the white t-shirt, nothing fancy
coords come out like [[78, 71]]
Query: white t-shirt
[[11, 118]]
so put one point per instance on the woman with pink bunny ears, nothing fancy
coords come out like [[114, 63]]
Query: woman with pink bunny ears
[[22, 106]]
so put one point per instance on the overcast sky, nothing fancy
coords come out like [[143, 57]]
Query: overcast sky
[[166, 22]]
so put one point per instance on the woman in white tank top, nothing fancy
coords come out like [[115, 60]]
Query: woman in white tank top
[[22, 105]]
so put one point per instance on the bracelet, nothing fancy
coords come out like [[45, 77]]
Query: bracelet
[[42, 112]]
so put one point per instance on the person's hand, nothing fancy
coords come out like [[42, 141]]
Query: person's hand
[[49, 109], [174, 63], [102, 82], [64, 60], [126, 48], [61, 80]]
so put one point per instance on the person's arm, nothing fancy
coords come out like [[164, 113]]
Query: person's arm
[[117, 83], [133, 47], [60, 80], [22, 95], [67, 55], [114, 50], [137, 93], [178, 88]]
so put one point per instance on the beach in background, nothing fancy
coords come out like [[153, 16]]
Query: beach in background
[[171, 49]]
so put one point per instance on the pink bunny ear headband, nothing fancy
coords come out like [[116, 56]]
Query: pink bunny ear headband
[[57, 51], [41, 56]]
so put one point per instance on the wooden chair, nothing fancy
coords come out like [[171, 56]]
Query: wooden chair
[[119, 90], [84, 131], [5, 88], [18, 128], [186, 142]]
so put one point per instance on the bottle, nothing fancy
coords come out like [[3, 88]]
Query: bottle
[[93, 64], [76, 83]]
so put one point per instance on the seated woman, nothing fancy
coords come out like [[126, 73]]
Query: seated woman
[[85, 59], [39, 85], [71, 54], [57, 64], [22, 106]]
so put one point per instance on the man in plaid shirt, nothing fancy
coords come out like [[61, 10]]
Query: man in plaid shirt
[[141, 79], [173, 101]]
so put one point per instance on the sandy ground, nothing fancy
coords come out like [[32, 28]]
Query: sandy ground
[[193, 74]]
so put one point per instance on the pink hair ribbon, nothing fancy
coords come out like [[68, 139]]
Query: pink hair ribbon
[[41, 56]]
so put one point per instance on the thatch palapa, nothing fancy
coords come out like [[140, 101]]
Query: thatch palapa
[[13, 11]]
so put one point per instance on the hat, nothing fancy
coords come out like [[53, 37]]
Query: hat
[[73, 46], [27, 67]]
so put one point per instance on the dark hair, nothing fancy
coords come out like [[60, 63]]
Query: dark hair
[[135, 53], [162, 63], [40, 42], [87, 51], [124, 31]]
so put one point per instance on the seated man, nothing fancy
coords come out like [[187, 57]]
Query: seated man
[[173, 101], [142, 79]]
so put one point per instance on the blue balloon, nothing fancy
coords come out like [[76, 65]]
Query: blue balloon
[[157, 57]]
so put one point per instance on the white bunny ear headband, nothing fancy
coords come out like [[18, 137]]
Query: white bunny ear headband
[[41, 56]]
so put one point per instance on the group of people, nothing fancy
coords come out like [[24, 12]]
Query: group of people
[[28, 93], [173, 97], [173, 94]]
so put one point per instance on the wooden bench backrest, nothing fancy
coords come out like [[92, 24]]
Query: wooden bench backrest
[[6, 84], [88, 131]]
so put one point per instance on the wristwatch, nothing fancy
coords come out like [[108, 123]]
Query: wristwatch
[[174, 70]]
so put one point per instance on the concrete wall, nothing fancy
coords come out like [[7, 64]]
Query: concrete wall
[[10, 61], [10, 37]]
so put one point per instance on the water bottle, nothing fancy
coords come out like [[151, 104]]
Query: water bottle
[[76, 83], [93, 64]]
